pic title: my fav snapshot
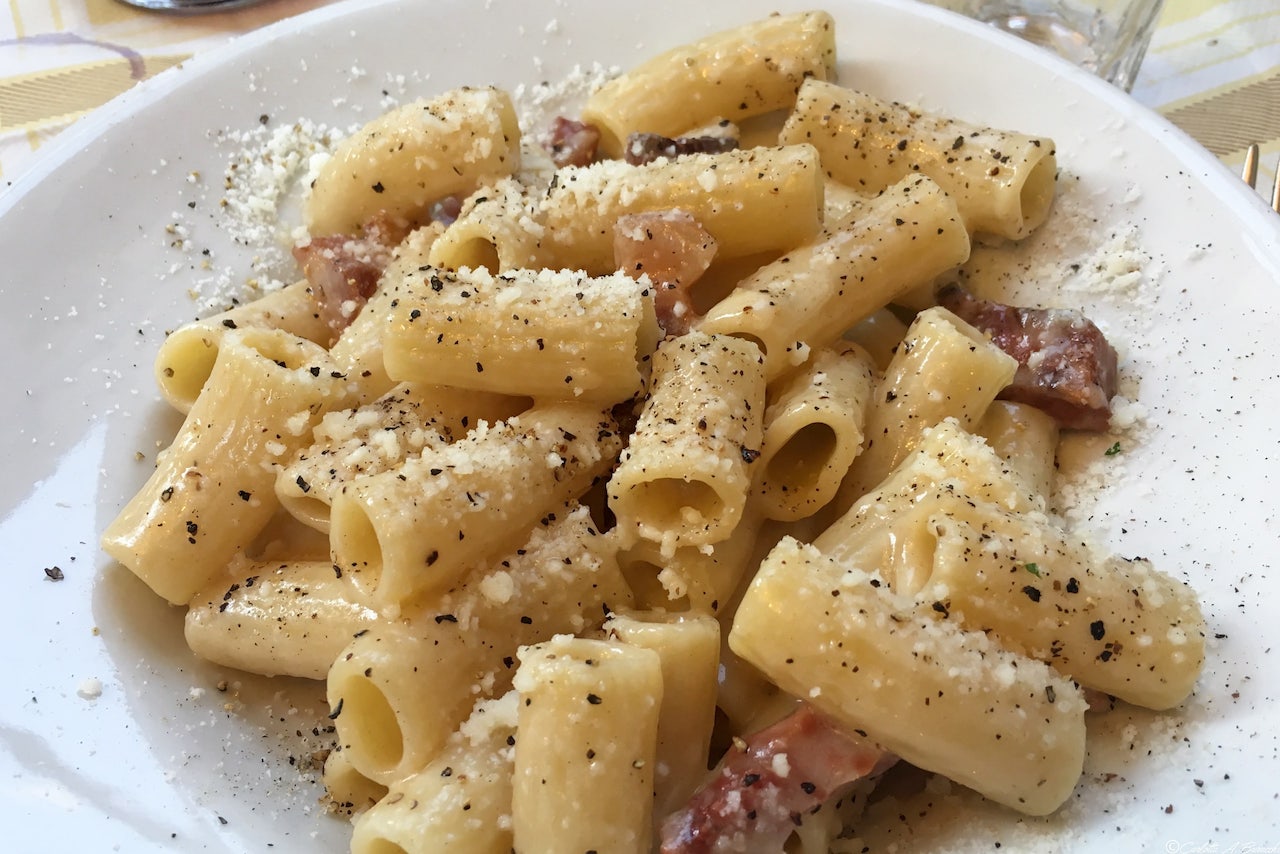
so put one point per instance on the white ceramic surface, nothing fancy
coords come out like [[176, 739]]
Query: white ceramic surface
[[90, 283]]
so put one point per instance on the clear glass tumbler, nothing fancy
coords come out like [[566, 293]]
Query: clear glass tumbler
[[1107, 37]]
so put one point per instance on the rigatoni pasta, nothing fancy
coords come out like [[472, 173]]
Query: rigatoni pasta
[[460, 802], [1024, 437], [750, 201], [524, 332], [187, 356], [684, 478], [417, 529], [735, 74], [403, 686], [278, 618], [202, 503], [379, 437], [358, 350], [944, 369], [498, 228], [813, 432], [1002, 182], [693, 578], [1118, 626], [943, 699], [588, 732], [688, 648], [415, 155], [808, 297]]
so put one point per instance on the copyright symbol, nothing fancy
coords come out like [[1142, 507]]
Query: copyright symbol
[[1172, 846]]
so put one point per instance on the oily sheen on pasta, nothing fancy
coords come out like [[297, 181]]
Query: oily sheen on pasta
[[598, 548]]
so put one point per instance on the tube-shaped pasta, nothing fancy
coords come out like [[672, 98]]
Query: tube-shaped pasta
[[1026, 438], [752, 200], [1121, 627], [187, 355], [885, 527], [813, 431], [688, 647], [546, 333], [841, 204], [378, 437], [415, 530], [808, 297], [348, 791], [277, 619], [896, 535], [1003, 182], [358, 349], [414, 155], [694, 578], [950, 457], [497, 229], [588, 728], [734, 74], [748, 700], [684, 478], [460, 803], [944, 369], [946, 700], [401, 688], [879, 333], [286, 539], [265, 392]]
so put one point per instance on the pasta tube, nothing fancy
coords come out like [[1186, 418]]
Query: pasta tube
[[1002, 182], [1121, 627], [735, 74], [378, 437], [349, 791], [412, 156], [588, 728], [813, 431], [460, 803], [187, 355], [946, 700], [277, 619], [886, 527], [811, 295], [497, 229], [401, 688], [688, 648], [944, 369], [694, 578], [750, 201], [684, 478], [359, 348], [549, 334], [212, 489], [879, 333], [1026, 438], [415, 530]]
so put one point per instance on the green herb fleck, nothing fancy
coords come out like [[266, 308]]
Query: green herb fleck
[[1113, 450], [1033, 569]]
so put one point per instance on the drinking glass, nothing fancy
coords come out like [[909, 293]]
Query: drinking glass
[[1107, 37]]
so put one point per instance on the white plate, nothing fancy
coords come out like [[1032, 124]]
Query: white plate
[[90, 284]]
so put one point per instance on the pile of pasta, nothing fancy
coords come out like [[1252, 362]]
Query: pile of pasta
[[546, 553]]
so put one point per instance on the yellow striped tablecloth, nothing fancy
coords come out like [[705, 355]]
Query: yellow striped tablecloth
[[60, 59], [1213, 67]]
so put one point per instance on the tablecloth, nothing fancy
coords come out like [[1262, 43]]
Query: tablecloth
[[1213, 67]]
